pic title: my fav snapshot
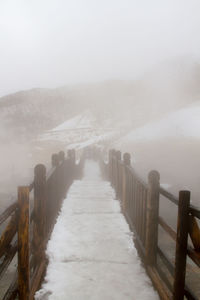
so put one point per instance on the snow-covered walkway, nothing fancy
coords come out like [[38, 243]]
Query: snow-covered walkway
[[91, 253]]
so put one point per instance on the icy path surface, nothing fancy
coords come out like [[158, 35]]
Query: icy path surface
[[91, 253]]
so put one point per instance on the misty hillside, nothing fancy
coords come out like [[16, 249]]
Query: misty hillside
[[38, 122], [170, 145], [83, 130], [184, 122], [29, 112], [167, 87]]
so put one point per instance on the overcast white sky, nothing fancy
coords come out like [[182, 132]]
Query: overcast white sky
[[49, 43]]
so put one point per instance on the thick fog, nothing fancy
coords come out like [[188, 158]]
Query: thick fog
[[121, 74], [52, 43], [75, 73]]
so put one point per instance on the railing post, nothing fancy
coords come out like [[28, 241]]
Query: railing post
[[23, 243], [55, 160], [113, 168], [152, 217], [40, 214], [54, 200], [118, 157], [73, 153], [61, 156], [62, 183], [110, 165], [194, 232], [72, 171], [126, 162], [181, 245]]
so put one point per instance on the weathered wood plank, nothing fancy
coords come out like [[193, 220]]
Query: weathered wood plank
[[12, 291], [152, 218], [23, 243], [8, 234], [167, 228], [169, 196], [194, 255], [194, 232], [181, 245], [195, 211], [37, 278], [8, 212], [39, 225], [163, 291], [8, 258]]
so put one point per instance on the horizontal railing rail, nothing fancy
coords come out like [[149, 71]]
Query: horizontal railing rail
[[8, 244], [140, 204], [27, 224]]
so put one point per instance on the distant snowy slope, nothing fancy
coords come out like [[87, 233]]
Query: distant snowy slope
[[165, 88], [84, 120], [181, 123], [81, 131]]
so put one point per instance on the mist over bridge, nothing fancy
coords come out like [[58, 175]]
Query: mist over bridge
[[90, 252]]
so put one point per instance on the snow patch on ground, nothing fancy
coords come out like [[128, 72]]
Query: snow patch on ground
[[182, 123], [81, 131], [84, 120], [91, 252]]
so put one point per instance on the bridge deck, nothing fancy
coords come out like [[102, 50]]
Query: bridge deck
[[91, 253]]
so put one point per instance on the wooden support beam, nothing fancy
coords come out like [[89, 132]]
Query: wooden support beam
[[152, 217], [39, 225], [126, 162], [8, 212], [181, 245], [8, 234], [10, 253], [23, 243], [194, 232], [162, 289]]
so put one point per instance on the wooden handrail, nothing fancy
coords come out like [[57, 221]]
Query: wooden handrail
[[167, 228], [8, 234], [23, 243], [166, 261], [194, 211], [12, 291], [169, 196], [194, 232], [33, 222], [6, 214], [10, 253], [124, 179], [194, 255], [139, 202]]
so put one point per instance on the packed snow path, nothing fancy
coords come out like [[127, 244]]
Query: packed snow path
[[91, 252]]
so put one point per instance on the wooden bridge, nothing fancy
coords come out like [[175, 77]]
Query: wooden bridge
[[27, 224]]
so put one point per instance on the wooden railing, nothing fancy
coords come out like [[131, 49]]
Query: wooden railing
[[140, 205], [27, 224], [8, 245]]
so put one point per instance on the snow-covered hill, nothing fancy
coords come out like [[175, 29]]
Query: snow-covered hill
[[81, 131], [170, 145], [49, 120], [85, 120], [167, 87], [184, 122]]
